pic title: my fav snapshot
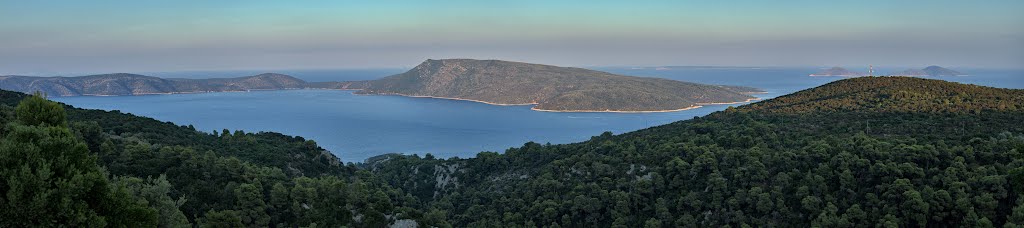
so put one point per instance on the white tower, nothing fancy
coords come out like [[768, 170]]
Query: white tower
[[871, 70]]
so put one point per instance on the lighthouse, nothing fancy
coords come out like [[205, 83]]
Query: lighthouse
[[871, 70]]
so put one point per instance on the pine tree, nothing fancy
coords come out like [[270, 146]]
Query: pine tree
[[50, 178]]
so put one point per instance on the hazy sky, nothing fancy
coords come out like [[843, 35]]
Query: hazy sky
[[51, 37]]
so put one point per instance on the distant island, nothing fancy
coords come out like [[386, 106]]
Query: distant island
[[549, 88], [123, 84], [932, 71], [838, 71]]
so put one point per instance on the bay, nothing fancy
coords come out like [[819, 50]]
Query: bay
[[356, 127]]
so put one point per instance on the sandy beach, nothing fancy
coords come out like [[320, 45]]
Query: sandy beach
[[699, 105]]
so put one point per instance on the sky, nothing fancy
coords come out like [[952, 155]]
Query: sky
[[62, 37]]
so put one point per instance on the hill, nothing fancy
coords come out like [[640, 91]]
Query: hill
[[551, 88], [933, 71], [167, 175], [895, 94], [133, 84], [856, 152], [838, 71]]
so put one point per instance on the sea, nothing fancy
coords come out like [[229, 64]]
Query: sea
[[356, 127]]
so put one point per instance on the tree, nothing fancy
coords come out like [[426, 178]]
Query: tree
[[155, 191], [36, 110], [51, 178], [251, 207], [221, 219], [1016, 218], [914, 207], [652, 223]]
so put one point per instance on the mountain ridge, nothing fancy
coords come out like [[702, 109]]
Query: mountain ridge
[[123, 84]]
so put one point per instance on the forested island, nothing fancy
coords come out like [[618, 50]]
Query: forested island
[[861, 152]]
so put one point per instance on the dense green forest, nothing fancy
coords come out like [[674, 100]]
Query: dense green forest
[[863, 152], [63, 165]]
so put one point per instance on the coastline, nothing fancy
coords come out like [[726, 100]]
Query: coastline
[[698, 105], [695, 106], [726, 103], [458, 99], [183, 92], [611, 111]]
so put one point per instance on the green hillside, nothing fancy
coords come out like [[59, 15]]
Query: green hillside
[[182, 176], [854, 153]]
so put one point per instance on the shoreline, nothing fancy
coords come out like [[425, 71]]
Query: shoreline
[[172, 93], [452, 98], [611, 111], [727, 103], [697, 105]]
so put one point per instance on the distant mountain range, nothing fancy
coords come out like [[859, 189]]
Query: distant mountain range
[[933, 71], [551, 88], [121, 84], [838, 71]]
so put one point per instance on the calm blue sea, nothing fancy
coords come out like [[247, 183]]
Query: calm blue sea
[[355, 127]]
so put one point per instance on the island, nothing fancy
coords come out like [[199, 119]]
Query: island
[[548, 88], [838, 71], [932, 71]]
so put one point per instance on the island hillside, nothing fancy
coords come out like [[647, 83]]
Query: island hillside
[[121, 84], [551, 88], [933, 71], [838, 71]]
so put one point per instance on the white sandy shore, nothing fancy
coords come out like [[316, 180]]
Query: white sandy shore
[[699, 105], [612, 111], [738, 102], [462, 99]]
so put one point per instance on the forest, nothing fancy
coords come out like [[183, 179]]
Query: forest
[[861, 152]]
